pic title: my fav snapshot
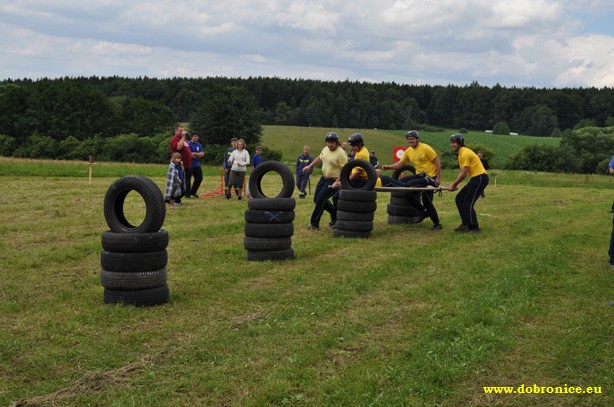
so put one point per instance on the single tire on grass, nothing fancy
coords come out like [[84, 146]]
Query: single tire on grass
[[133, 281], [133, 262], [113, 206], [287, 179], [130, 242], [140, 298], [270, 255], [402, 220], [266, 244], [352, 235]]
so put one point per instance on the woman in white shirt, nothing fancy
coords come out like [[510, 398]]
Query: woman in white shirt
[[240, 161]]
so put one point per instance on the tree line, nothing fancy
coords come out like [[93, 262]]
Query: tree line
[[69, 117]]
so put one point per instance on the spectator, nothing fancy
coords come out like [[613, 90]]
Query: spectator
[[302, 176], [239, 160], [256, 160], [227, 166], [373, 159], [470, 165], [198, 152], [173, 182], [179, 144]]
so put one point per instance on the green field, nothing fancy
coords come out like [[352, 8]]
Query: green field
[[408, 317], [290, 141]]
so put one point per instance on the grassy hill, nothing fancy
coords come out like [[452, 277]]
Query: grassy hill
[[290, 141]]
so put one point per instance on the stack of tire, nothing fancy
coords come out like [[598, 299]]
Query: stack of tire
[[356, 206], [269, 220], [399, 210], [134, 258]]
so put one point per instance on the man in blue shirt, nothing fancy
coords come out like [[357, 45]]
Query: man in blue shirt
[[198, 152], [302, 177], [257, 158]]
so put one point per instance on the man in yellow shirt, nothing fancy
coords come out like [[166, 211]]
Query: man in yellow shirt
[[470, 165], [333, 159], [428, 172]]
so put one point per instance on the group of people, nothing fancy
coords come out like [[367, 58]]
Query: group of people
[[235, 165], [186, 152], [428, 173]]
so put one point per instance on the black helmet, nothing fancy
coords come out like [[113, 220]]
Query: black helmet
[[412, 133], [457, 138], [331, 136], [356, 139]]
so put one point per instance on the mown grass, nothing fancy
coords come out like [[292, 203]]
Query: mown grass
[[407, 317]]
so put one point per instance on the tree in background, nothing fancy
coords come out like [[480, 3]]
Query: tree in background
[[227, 112], [501, 128]]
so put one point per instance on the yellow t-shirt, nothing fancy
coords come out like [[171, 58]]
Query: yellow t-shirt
[[467, 158], [362, 154], [421, 158], [332, 162]]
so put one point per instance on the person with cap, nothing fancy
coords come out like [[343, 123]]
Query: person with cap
[[226, 166], [333, 158], [470, 166], [179, 144], [302, 176], [373, 160], [428, 173], [198, 152]]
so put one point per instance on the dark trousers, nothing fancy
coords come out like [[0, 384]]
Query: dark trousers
[[301, 182], [321, 198], [414, 197], [188, 180], [611, 252], [197, 172], [226, 177], [466, 198]]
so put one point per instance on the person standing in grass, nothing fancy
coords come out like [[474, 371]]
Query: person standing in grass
[[333, 159], [470, 165], [173, 181], [256, 161], [226, 166], [239, 160], [428, 169], [302, 176], [198, 152], [611, 251], [179, 144]]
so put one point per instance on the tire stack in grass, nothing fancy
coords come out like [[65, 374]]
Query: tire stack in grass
[[134, 258], [399, 210], [269, 221], [356, 206]]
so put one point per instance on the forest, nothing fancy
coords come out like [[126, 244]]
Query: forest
[[69, 117]]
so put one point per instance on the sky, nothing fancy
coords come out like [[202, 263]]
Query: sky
[[522, 43]]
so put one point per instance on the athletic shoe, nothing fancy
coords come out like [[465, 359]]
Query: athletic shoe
[[475, 230], [437, 227], [227, 195], [431, 181], [462, 228], [239, 197]]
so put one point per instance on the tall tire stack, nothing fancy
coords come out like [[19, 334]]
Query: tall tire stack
[[399, 210], [269, 220], [356, 206], [134, 258]]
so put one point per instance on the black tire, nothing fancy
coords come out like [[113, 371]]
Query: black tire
[[402, 210], [353, 226], [259, 216], [356, 206], [269, 230], [353, 235], [133, 262], [399, 201], [133, 281], [355, 216], [399, 194], [287, 179], [134, 242], [113, 206], [139, 298], [347, 170], [266, 244], [357, 195], [270, 255], [407, 167], [272, 204], [402, 220]]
